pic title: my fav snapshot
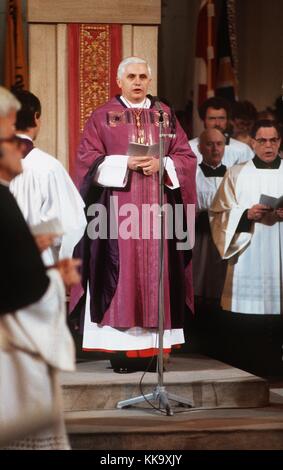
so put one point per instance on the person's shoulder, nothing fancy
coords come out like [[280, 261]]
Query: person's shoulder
[[165, 106], [237, 145], [199, 171], [194, 141], [238, 152], [233, 171], [37, 156], [112, 104], [238, 166], [8, 204], [41, 161]]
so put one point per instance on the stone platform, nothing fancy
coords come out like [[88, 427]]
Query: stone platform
[[233, 410], [219, 429], [205, 382]]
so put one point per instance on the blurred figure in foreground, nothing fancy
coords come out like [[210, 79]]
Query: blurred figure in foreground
[[35, 342]]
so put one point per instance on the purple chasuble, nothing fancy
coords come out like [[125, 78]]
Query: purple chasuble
[[124, 279]]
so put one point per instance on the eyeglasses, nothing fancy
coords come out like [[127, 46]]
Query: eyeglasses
[[272, 141]]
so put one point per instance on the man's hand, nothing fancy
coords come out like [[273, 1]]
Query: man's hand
[[257, 212], [151, 167], [45, 240], [68, 270], [148, 165]]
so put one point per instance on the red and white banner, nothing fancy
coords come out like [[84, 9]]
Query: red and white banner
[[94, 53]]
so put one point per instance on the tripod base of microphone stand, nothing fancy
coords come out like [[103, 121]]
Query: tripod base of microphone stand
[[159, 395]]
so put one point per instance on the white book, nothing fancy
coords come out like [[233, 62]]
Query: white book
[[273, 202], [143, 150]]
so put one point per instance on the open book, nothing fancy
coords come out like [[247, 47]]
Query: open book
[[143, 150], [273, 202]]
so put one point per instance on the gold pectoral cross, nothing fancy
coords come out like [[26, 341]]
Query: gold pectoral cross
[[140, 131], [140, 136]]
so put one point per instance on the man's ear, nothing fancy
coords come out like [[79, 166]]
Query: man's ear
[[119, 82], [37, 117], [253, 142]]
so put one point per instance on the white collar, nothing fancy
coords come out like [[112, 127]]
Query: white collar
[[146, 104], [24, 136], [213, 167]]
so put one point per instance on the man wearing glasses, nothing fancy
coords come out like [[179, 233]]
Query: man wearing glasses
[[249, 234]]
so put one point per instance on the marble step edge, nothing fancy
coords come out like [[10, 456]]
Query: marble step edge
[[103, 425]]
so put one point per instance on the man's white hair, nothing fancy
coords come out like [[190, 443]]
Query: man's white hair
[[131, 60], [8, 102]]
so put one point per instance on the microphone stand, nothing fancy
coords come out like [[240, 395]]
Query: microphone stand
[[160, 394]]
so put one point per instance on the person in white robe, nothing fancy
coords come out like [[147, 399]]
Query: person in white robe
[[209, 269], [249, 234], [45, 191], [215, 113]]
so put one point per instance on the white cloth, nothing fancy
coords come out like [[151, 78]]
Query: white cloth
[[113, 172], [254, 280], [35, 345], [112, 339], [208, 267], [146, 104], [206, 189], [236, 152], [45, 191]]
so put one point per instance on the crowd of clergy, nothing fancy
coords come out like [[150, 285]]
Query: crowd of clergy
[[231, 289]]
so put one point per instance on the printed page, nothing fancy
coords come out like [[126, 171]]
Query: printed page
[[142, 150]]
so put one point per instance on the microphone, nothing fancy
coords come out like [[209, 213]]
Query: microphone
[[156, 101], [227, 138], [161, 115]]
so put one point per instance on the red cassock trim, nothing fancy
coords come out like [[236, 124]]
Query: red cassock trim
[[138, 353]]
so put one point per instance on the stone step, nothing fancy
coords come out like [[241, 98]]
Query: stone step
[[203, 381], [219, 429]]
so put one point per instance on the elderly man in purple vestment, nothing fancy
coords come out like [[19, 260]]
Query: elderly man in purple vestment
[[118, 302]]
